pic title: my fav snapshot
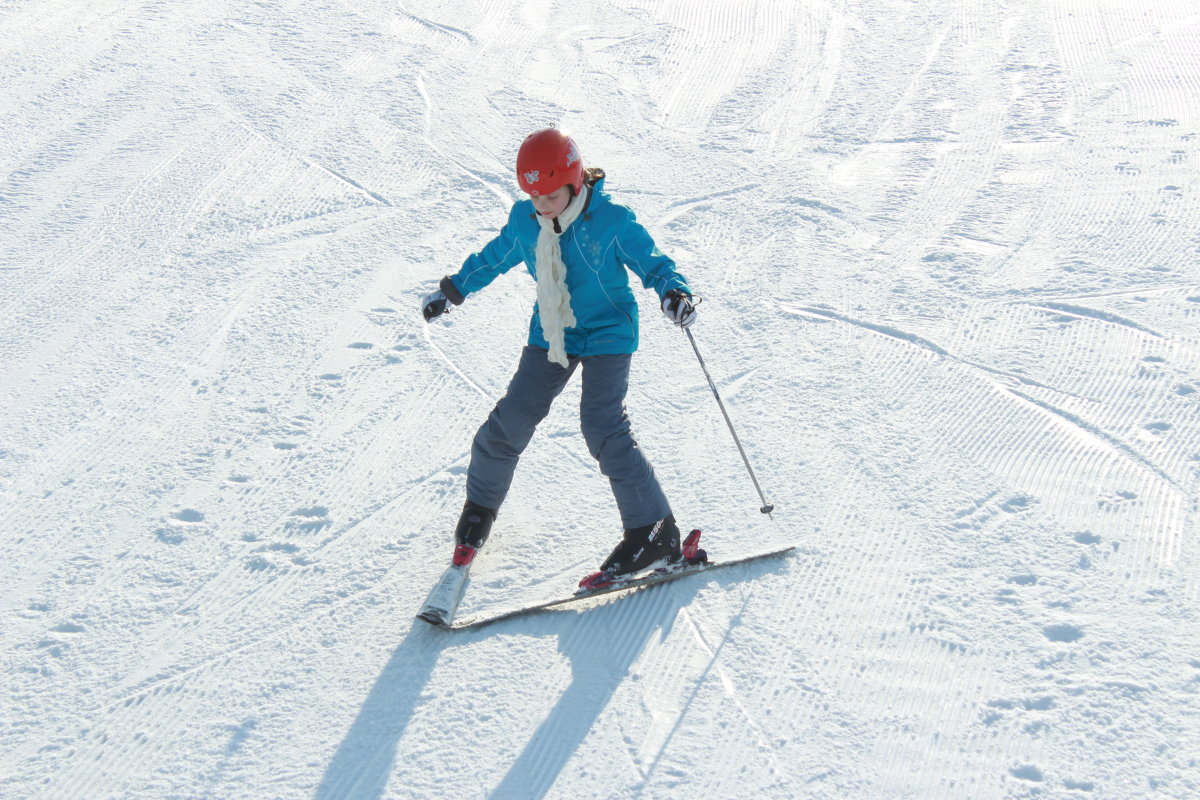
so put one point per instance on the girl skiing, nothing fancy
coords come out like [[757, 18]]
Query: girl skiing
[[577, 244]]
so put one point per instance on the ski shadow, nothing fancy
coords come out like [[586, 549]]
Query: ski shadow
[[363, 763], [602, 644]]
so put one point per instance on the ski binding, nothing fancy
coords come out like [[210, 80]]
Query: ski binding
[[692, 555]]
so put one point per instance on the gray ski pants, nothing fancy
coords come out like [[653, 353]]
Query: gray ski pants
[[501, 440]]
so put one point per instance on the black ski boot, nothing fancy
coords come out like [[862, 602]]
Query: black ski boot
[[474, 525], [643, 547]]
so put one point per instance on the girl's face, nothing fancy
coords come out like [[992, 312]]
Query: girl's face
[[553, 204]]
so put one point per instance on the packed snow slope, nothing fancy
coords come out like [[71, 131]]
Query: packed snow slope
[[948, 253]]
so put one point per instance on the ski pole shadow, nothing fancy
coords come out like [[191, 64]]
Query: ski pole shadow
[[601, 644], [363, 762]]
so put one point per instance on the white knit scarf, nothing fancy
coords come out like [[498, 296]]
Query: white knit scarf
[[553, 297]]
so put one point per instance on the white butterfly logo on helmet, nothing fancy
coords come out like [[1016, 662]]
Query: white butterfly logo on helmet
[[532, 176]]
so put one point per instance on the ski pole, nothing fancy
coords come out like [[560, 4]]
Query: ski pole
[[767, 508]]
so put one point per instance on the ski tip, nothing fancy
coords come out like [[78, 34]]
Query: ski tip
[[436, 618]]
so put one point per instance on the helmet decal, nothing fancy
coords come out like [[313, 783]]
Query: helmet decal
[[532, 176]]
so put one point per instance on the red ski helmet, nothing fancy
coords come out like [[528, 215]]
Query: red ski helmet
[[547, 161]]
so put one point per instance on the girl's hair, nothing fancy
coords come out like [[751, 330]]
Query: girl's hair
[[592, 175]]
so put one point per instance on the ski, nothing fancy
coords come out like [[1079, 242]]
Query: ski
[[663, 575]]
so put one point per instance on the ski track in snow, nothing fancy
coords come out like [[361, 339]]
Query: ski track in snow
[[949, 260]]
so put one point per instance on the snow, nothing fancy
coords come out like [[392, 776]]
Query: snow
[[948, 253]]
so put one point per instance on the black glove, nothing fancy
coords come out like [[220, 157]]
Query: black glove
[[679, 307], [434, 304]]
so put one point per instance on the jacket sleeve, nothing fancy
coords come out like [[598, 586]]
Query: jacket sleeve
[[497, 257], [638, 251]]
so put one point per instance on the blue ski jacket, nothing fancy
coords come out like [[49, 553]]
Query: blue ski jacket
[[603, 241]]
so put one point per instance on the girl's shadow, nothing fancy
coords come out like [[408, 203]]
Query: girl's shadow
[[601, 643], [363, 762]]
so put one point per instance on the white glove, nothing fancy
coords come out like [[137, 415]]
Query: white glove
[[679, 308]]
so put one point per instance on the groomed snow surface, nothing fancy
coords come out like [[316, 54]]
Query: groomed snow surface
[[948, 253]]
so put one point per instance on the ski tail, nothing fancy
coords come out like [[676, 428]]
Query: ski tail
[[442, 602]]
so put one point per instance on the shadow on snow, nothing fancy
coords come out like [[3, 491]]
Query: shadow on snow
[[602, 643]]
